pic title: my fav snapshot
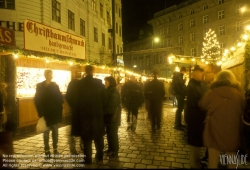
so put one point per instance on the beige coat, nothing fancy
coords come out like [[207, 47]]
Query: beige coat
[[224, 105]]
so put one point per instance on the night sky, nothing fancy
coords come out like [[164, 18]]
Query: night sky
[[136, 13]]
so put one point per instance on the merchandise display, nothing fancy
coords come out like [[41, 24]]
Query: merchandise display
[[27, 79]]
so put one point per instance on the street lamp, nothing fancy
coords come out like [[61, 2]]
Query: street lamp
[[155, 40]]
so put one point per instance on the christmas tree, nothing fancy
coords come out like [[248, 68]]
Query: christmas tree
[[211, 48]]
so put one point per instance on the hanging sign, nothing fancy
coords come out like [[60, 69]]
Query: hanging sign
[[42, 38], [7, 36]]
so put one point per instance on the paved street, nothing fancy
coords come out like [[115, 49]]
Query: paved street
[[140, 149]]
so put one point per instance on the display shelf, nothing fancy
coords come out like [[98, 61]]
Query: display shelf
[[27, 79]]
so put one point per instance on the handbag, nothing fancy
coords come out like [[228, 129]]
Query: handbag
[[41, 125]]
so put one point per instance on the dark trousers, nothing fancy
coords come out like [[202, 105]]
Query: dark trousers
[[87, 150], [54, 129], [180, 107], [112, 137], [155, 108]]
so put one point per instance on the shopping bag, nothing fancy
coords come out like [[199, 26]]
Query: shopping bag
[[41, 125]]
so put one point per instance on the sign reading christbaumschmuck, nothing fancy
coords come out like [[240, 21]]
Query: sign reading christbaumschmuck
[[42, 38]]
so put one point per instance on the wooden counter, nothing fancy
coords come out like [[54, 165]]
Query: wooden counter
[[27, 114]]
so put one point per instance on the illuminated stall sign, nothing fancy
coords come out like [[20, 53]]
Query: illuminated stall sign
[[7, 36], [42, 38]]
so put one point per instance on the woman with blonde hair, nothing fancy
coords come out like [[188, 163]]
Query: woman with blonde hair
[[224, 103]]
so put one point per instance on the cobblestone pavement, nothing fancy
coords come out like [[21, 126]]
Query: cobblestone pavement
[[140, 149]]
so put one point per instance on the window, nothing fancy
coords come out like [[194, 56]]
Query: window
[[93, 5], [180, 39], [239, 26], [192, 23], [180, 26], [7, 4], [116, 8], [168, 42], [192, 12], [205, 7], [101, 10], [117, 49], [192, 37], [103, 39], [110, 44], [221, 14], [220, 1], [193, 52], [160, 59], [82, 27], [163, 43], [95, 34], [238, 9], [205, 32], [119, 12], [168, 30], [205, 19], [71, 20], [148, 61], [180, 16], [108, 18], [164, 31], [135, 61], [222, 30], [156, 59], [120, 31], [116, 28], [222, 48], [141, 62], [56, 11]]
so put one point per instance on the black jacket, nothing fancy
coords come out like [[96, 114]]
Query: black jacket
[[112, 105], [132, 96], [71, 98], [194, 115], [90, 107], [48, 102], [178, 84]]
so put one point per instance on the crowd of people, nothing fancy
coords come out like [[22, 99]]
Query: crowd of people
[[215, 108]]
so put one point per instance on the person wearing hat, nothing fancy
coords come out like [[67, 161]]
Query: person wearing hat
[[179, 90], [195, 116], [155, 96]]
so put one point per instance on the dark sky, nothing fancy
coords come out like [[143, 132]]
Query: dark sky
[[136, 13]]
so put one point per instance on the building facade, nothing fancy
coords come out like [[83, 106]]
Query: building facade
[[181, 28], [89, 19], [60, 35]]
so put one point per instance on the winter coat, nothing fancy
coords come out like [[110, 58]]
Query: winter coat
[[112, 105], [155, 91], [48, 102], [224, 105], [90, 107], [132, 97], [178, 84], [71, 98], [194, 115]]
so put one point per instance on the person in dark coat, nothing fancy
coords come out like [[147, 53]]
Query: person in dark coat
[[179, 91], [90, 110], [70, 97], [112, 115], [132, 99], [48, 101], [156, 93], [195, 116], [3, 111]]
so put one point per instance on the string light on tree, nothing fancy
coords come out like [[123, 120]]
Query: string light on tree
[[211, 47]]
